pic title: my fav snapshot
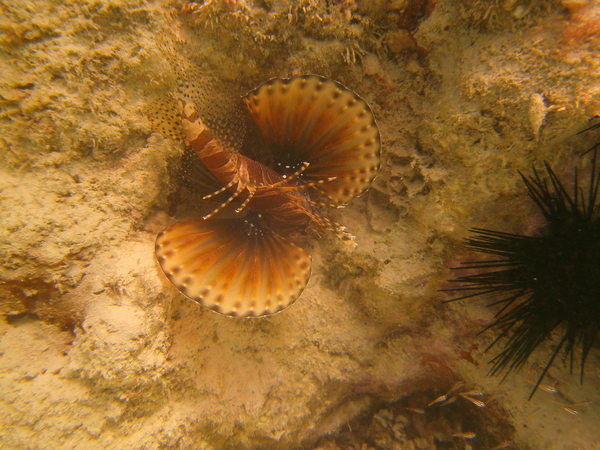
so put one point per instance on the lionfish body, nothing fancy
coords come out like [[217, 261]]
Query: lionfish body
[[249, 265], [250, 182]]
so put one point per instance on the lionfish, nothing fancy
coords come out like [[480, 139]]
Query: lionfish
[[265, 153]]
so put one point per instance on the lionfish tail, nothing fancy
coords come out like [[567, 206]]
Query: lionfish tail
[[164, 115], [234, 266], [323, 123]]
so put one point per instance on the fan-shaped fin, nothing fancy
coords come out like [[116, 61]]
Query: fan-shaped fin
[[234, 267], [323, 123]]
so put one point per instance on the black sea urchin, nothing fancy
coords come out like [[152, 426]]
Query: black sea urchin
[[542, 283], [595, 125]]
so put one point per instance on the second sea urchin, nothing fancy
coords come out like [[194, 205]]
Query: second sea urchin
[[548, 285]]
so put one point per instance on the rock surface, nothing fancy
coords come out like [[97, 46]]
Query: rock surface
[[97, 350]]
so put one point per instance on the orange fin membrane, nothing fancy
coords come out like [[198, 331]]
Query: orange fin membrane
[[233, 266], [324, 124]]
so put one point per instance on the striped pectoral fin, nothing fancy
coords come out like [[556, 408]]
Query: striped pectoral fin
[[232, 267], [324, 124]]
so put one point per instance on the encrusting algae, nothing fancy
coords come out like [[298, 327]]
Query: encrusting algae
[[308, 135]]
